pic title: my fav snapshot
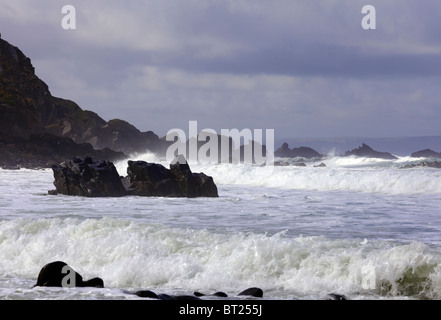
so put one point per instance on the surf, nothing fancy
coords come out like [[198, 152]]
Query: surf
[[339, 174]]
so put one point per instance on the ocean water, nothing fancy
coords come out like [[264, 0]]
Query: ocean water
[[360, 227]]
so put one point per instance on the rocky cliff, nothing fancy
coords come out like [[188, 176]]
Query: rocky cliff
[[28, 108]]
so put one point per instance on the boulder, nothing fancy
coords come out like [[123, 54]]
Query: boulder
[[60, 274], [150, 179], [252, 292], [88, 178], [367, 152]]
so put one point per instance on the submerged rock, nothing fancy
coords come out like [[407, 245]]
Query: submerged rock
[[252, 292], [337, 296], [88, 178]]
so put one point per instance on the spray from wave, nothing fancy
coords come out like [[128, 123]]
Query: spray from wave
[[340, 173], [127, 254]]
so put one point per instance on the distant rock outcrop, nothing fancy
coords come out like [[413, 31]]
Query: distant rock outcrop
[[367, 152], [426, 153], [429, 164], [302, 152]]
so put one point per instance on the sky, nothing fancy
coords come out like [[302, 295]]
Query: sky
[[305, 68]]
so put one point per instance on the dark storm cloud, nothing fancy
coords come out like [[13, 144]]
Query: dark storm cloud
[[316, 60], [302, 67]]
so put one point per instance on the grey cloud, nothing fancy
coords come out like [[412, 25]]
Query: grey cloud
[[211, 59]]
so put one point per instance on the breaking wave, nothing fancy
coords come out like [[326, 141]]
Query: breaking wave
[[340, 173], [133, 255]]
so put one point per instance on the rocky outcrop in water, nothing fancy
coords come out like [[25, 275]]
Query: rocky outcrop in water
[[60, 274], [302, 152], [88, 178], [367, 152], [151, 179], [426, 153]]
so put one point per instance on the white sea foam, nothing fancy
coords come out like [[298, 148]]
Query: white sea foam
[[366, 229], [341, 173], [129, 255]]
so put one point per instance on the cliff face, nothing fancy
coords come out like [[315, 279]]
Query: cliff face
[[27, 107]]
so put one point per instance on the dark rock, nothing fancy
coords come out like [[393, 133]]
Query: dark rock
[[284, 151], [216, 294], [429, 164], [146, 294], [45, 150], [321, 165], [302, 152], [56, 274], [164, 296], [185, 297], [150, 179], [253, 292], [427, 153], [88, 178], [27, 107], [367, 152], [336, 296], [220, 294], [192, 184], [281, 163]]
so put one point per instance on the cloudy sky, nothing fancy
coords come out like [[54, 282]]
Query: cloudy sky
[[305, 68]]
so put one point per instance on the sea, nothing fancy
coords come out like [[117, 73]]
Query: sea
[[363, 228]]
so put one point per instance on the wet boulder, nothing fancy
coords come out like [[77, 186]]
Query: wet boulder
[[60, 274], [88, 178], [151, 179], [192, 184]]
